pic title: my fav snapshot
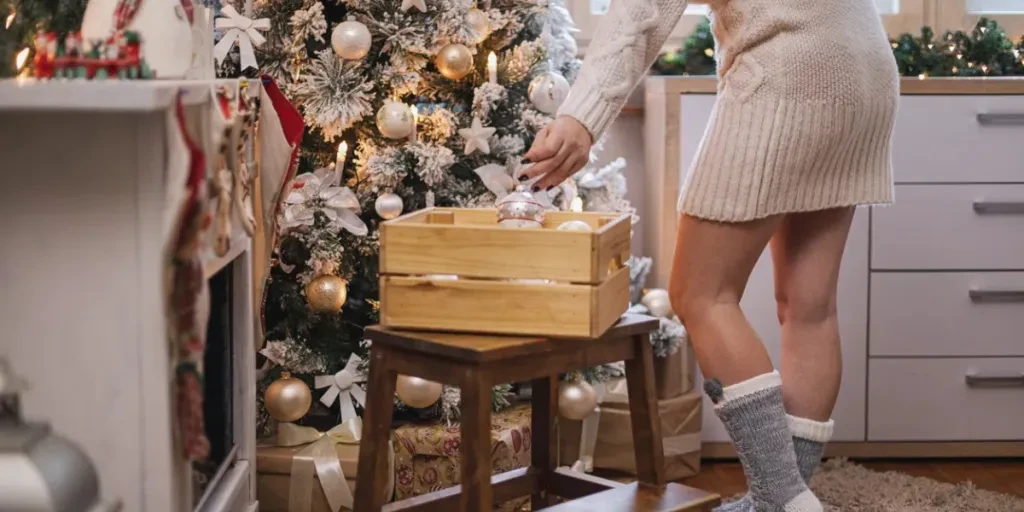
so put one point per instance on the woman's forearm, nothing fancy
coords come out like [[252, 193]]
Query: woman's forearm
[[626, 42]]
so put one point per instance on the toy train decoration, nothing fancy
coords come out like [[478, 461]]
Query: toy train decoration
[[118, 57]]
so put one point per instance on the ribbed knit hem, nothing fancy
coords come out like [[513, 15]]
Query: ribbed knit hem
[[750, 386], [809, 429], [586, 104], [763, 158]]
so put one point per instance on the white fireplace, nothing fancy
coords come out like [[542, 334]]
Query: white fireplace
[[81, 272]]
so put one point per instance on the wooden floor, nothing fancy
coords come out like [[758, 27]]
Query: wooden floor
[[1006, 476]]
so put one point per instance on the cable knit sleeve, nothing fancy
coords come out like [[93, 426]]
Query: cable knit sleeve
[[627, 40]]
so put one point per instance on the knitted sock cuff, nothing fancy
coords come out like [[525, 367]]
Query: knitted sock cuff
[[750, 386], [804, 428]]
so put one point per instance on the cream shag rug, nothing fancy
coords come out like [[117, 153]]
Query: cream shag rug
[[846, 487]]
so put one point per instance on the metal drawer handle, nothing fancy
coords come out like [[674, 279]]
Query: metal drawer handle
[[999, 207], [996, 296], [974, 380], [1001, 119]]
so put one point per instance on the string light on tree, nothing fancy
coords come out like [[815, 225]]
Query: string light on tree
[[21, 59], [454, 61], [351, 39], [10, 19], [492, 68]]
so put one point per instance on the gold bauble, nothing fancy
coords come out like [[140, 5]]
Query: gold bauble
[[416, 392], [576, 400], [478, 23], [287, 398], [326, 293], [454, 61]]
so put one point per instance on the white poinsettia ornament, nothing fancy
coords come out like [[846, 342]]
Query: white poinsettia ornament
[[318, 192], [344, 387]]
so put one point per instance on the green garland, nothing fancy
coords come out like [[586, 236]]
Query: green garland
[[984, 51]]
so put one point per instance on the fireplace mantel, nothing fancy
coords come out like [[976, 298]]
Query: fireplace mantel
[[82, 273]]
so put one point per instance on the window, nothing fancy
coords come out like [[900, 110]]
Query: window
[[995, 7]]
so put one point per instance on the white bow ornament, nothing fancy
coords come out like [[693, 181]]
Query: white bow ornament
[[343, 386], [244, 31]]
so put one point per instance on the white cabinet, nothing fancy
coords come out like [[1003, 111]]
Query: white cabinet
[[931, 291], [82, 273]]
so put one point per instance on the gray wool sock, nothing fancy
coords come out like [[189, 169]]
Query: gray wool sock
[[809, 440], [753, 414]]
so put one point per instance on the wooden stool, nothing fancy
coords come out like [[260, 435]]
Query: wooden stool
[[476, 363]]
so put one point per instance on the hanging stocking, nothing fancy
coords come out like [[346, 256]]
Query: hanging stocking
[[280, 135]]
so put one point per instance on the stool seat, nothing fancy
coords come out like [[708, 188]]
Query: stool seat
[[476, 363], [485, 347], [639, 497]]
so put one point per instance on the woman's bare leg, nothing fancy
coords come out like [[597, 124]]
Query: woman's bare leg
[[806, 253], [712, 264]]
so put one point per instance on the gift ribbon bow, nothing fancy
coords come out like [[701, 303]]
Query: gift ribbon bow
[[319, 460], [243, 30], [342, 386]]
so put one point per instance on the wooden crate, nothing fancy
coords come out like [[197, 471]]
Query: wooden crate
[[497, 290]]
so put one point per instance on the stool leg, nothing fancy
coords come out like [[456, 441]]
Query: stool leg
[[544, 445], [373, 449], [477, 494], [643, 411]]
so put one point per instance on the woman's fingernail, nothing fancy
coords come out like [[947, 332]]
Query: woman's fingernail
[[524, 178], [549, 188], [526, 160], [535, 189]]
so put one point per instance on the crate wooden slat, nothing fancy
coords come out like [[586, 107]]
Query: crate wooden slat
[[468, 243], [476, 305], [541, 282]]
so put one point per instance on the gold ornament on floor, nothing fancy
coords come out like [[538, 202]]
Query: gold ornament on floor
[[287, 398], [478, 23], [388, 205], [454, 61], [576, 400], [326, 293], [351, 39], [416, 392]]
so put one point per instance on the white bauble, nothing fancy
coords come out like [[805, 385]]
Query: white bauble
[[416, 392], [658, 303], [478, 23], [388, 205], [576, 400], [548, 91], [394, 120], [520, 210], [351, 39], [574, 225]]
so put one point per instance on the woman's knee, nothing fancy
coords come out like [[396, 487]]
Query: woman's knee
[[805, 304], [694, 300]]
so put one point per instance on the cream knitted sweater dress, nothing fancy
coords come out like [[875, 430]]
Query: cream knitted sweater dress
[[807, 95]]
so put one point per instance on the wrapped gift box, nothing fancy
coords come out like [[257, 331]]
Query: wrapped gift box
[[274, 466], [680, 430], [673, 374], [427, 456]]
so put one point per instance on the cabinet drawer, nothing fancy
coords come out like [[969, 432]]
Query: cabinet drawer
[[959, 139], [950, 227], [946, 399], [947, 314]]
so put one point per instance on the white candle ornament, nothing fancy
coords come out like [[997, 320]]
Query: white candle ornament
[[492, 68]]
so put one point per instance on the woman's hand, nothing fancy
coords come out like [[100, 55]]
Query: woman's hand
[[558, 151]]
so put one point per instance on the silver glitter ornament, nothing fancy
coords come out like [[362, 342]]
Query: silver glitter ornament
[[520, 210]]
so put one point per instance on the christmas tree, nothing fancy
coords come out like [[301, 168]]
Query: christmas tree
[[408, 104], [24, 20]]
